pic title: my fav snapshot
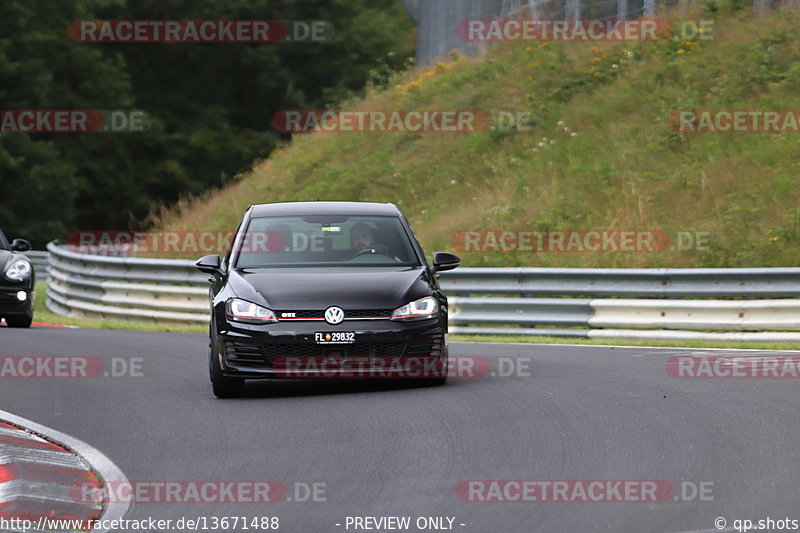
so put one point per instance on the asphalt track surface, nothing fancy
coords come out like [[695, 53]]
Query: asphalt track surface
[[579, 413]]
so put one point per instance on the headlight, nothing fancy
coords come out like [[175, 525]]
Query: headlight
[[248, 312], [19, 270], [421, 309]]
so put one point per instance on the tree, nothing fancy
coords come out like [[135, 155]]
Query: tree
[[211, 104]]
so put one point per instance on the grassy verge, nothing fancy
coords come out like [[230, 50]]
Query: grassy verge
[[43, 315]]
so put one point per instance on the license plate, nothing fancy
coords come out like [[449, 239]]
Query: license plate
[[335, 337]]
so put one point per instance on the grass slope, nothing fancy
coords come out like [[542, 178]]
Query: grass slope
[[626, 169]]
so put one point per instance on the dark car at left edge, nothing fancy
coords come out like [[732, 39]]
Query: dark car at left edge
[[17, 283]]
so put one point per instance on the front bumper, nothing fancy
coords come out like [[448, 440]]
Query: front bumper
[[10, 305], [382, 348]]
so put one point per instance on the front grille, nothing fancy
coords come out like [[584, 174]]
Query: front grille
[[371, 313], [268, 353], [349, 314], [274, 351], [300, 315]]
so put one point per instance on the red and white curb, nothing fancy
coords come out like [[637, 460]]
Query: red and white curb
[[40, 469]]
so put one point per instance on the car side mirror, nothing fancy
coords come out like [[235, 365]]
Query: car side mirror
[[210, 264], [20, 245], [445, 261]]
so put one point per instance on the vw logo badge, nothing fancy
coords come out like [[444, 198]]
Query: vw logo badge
[[334, 315]]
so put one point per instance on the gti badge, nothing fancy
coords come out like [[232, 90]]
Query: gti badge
[[334, 315]]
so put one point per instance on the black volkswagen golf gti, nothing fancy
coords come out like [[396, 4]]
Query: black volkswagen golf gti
[[325, 289]]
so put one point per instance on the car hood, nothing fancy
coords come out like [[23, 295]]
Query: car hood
[[348, 288]]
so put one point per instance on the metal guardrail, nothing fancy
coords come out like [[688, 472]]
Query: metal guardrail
[[125, 288], [39, 262], [759, 303], [631, 283]]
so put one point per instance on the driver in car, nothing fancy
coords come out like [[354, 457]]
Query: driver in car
[[361, 239]]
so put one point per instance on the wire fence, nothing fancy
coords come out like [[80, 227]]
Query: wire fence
[[437, 20]]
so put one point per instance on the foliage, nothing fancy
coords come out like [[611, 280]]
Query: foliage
[[211, 104]]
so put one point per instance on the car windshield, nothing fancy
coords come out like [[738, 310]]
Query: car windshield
[[3, 242], [324, 240]]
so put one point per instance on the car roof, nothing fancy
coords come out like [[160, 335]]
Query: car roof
[[325, 208]]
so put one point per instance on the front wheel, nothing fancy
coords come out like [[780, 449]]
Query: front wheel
[[445, 367], [441, 375], [222, 386]]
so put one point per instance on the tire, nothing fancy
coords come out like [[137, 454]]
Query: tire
[[446, 367], [222, 386], [19, 321], [438, 382]]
